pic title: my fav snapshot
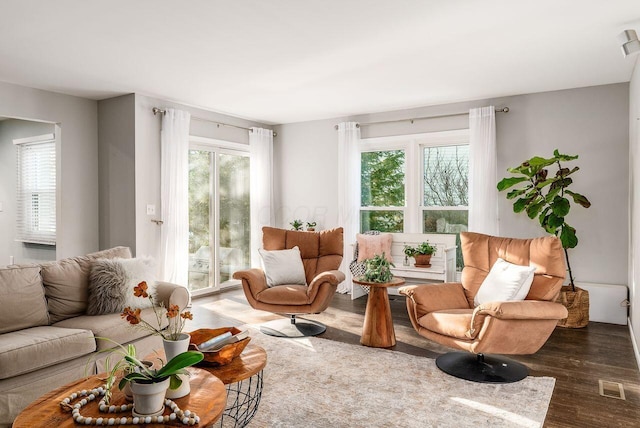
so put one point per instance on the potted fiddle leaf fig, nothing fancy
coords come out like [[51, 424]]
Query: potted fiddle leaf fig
[[546, 197]]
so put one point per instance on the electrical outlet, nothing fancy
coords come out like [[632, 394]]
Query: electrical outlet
[[151, 209]]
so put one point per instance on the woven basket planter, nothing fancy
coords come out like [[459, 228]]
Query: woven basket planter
[[577, 303]]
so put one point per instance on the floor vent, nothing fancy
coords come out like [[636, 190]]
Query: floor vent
[[611, 389]]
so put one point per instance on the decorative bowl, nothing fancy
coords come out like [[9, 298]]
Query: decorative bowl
[[223, 355]]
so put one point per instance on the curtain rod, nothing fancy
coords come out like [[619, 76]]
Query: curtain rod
[[498, 110], [157, 110]]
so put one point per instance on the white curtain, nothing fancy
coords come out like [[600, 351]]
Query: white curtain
[[348, 193], [483, 194], [261, 182], [174, 193]]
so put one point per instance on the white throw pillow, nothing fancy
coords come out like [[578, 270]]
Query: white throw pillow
[[505, 282], [283, 267]]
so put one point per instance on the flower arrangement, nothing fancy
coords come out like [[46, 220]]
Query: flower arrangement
[[177, 317]]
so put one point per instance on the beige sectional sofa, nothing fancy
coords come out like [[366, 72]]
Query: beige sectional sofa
[[47, 340]]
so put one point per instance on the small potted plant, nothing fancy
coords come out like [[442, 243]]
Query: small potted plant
[[311, 226], [378, 269], [421, 254], [296, 225], [149, 385]]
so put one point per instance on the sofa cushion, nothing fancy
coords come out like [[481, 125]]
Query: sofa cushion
[[66, 282], [22, 297], [33, 348], [284, 295], [112, 326], [283, 267]]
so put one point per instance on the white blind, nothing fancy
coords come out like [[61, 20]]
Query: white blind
[[36, 192]]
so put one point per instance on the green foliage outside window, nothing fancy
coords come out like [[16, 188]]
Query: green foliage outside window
[[382, 178]]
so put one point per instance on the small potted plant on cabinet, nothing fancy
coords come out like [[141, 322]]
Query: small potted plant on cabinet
[[296, 225], [311, 226], [421, 254]]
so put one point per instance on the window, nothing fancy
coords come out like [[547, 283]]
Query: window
[[416, 183], [36, 190], [219, 213]]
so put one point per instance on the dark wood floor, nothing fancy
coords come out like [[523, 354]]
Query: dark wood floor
[[577, 358]]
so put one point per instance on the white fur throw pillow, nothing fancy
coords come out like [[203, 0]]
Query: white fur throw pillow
[[111, 284]]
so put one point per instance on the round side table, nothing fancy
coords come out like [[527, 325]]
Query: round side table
[[243, 379], [377, 330]]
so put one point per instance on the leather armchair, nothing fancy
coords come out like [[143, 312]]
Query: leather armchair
[[445, 313], [321, 254]]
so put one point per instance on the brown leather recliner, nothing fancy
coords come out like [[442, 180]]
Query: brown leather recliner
[[321, 254], [445, 313]]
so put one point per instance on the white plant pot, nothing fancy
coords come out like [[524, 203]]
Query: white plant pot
[[128, 395], [171, 349], [148, 398]]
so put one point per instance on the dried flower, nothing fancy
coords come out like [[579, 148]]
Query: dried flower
[[176, 317]]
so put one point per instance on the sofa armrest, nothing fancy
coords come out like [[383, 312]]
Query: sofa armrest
[[168, 294], [332, 277], [523, 310], [255, 280]]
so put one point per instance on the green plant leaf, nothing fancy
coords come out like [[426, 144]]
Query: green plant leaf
[[554, 221], [545, 183], [542, 218], [538, 162], [560, 206], [568, 236], [179, 362], [553, 192], [579, 199], [521, 204], [534, 208], [174, 382], [516, 192], [505, 183], [564, 158]]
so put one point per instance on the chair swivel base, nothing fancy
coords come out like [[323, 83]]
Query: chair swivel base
[[293, 327], [481, 368]]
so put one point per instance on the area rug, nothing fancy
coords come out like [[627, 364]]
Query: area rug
[[312, 382]]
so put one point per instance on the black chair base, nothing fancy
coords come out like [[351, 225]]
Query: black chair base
[[481, 368], [293, 327]]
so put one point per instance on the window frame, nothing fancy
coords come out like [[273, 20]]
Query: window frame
[[413, 145], [25, 217]]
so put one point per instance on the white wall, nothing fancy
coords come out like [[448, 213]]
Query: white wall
[[591, 122], [634, 202], [77, 224], [116, 141]]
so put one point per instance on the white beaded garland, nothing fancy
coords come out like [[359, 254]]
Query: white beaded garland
[[187, 417]]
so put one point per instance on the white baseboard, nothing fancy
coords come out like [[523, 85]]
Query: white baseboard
[[634, 343]]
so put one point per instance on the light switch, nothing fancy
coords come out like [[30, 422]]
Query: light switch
[[151, 209]]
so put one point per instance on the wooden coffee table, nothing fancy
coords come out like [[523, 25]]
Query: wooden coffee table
[[207, 399], [377, 330], [243, 379]]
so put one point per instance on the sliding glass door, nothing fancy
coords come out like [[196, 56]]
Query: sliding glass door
[[219, 216]]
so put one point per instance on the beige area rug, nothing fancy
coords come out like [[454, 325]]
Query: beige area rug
[[314, 382]]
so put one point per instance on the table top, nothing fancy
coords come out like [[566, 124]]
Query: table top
[[395, 281], [207, 399], [251, 361]]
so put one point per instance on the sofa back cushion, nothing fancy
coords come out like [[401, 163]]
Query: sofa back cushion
[[66, 282], [22, 297]]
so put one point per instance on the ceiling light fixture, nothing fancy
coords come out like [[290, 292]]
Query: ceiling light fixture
[[630, 43]]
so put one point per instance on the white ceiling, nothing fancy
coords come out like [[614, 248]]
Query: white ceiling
[[283, 61]]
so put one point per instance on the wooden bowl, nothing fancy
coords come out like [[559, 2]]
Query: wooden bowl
[[222, 356]]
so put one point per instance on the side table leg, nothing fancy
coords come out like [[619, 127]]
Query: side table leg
[[377, 330]]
